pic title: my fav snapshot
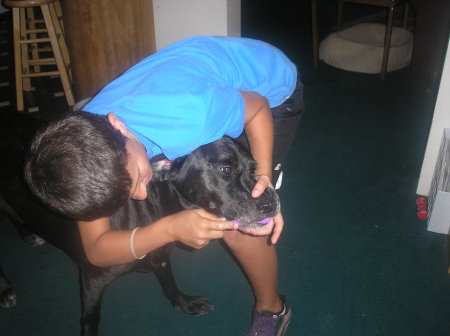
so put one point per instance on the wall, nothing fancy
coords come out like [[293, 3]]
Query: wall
[[441, 120], [178, 19]]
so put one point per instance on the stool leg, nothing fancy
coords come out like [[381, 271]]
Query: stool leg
[[58, 55], [61, 38], [25, 66], [17, 58], [59, 15], [34, 47], [387, 42]]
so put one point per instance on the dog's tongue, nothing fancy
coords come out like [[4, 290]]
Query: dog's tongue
[[264, 221]]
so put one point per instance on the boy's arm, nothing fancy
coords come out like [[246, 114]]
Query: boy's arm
[[258, 126], [105, 247]]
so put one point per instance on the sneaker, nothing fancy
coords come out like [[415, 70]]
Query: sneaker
[[267, 323]]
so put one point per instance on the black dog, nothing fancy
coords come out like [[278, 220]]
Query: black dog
[[217, 177]]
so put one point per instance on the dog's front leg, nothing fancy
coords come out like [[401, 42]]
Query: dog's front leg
[[7, 294], [93, 282], [192, 305]]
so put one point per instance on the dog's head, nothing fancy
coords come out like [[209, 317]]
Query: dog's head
[[219, 177]]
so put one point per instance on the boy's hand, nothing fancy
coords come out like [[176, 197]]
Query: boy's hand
[[274, 227], [197, 227], [262, 182]]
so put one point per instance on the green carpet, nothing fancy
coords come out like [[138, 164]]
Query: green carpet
[[353, 259]]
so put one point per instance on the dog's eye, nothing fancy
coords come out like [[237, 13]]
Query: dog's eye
[[227, 170]]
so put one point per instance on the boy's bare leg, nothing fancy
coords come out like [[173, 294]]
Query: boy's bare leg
[[258, 258]]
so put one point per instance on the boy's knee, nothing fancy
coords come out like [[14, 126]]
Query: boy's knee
[[293, 107], [233, 239], [238, 241]]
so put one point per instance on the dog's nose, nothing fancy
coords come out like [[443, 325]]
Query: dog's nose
[[266, 207]]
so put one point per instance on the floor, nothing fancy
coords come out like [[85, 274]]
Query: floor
[[354, 260]]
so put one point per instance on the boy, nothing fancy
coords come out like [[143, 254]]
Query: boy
[[190, 93]]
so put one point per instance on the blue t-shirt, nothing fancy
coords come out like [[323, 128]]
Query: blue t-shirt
[[187, 94]]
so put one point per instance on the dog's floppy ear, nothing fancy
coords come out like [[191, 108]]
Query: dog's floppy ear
[[165, 169], [161, 167]]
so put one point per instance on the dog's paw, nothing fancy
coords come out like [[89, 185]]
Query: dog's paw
[[8, 298], [193, 305], [34, 240]]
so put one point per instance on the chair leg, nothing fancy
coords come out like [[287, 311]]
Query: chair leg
[[387, 42], [58, 55], [339, 16], [17, 58], [315, 37], [405, 14]]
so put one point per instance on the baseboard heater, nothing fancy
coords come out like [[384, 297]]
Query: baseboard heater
[[439, 195]]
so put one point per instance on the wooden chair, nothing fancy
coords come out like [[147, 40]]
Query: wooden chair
[[388, 4], [31, 35]]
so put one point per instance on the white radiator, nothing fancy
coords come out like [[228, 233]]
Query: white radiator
[[439, 195]]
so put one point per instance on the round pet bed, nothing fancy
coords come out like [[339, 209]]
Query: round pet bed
[[360, 48]]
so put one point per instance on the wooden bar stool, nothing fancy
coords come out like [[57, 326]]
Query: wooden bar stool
[[31, 35]]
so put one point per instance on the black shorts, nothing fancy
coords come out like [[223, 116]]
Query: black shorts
[[286, 119]]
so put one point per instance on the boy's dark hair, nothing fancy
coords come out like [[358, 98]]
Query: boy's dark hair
[[77, 166]]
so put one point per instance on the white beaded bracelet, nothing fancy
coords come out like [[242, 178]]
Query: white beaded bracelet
[[132, 244]]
